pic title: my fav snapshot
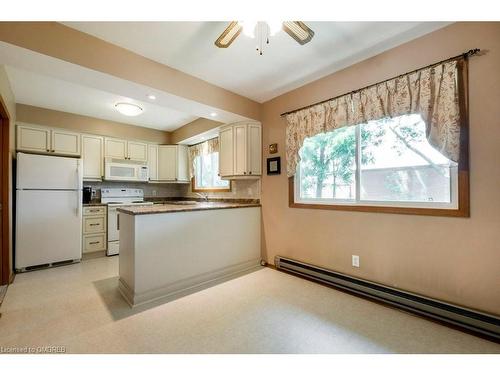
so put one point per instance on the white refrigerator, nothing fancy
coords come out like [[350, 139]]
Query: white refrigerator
[[48, 211]]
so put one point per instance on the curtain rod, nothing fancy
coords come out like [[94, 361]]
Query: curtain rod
[[469, 53]]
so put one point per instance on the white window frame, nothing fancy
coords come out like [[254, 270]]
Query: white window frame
[[195, 188], [452, 205]]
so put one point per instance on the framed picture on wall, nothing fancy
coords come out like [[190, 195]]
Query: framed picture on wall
[[274, 165]]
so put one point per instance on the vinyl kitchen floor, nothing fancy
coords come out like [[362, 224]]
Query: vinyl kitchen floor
[[79, 307]]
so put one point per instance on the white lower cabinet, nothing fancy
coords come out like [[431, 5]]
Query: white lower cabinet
[[93, 157], [94, 229]]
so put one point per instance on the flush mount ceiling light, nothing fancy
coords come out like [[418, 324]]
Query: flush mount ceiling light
[[213, 114], [151, 97], [298, 30], [128, 109]]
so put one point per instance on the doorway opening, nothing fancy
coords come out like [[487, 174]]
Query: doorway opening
[[5, 273]]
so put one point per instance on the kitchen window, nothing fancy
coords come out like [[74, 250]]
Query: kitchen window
[[386, 165], [206, 174]]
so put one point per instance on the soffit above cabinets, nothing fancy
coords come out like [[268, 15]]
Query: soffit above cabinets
[[285, 65], [43, 81], [48, 92]]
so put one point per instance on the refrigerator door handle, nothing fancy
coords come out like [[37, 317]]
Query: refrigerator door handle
[[78, 177], [78, 202]]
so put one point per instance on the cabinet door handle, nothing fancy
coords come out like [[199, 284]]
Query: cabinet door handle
[[117, 221], [249, 172], [244, 172], [93, 225], [48, 150], [93, 243]]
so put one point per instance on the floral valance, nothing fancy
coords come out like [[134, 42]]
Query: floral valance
[[431, 92], [203, 148]]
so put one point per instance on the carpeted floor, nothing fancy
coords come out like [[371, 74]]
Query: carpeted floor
[[267, 311]]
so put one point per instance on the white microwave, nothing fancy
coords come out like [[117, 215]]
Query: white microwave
[[125, 170]]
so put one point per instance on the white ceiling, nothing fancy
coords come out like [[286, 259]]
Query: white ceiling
[[285, 65], [46, 82], [52, 93]]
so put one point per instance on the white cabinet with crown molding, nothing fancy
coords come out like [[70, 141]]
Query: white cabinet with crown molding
[[240, 154]]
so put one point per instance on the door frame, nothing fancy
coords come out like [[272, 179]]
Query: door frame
[[4, 198]]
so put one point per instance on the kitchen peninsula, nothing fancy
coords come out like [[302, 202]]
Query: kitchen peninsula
[[169, 250]]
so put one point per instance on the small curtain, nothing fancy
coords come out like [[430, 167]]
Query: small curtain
[[203, 148], [431, 92]]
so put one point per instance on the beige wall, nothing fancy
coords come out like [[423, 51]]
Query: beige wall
[[8, 99], [454, 259], [85, 124], [195, 127], [62, 42]]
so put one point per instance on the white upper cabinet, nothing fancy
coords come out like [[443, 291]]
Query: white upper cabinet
[[167, 161], [65, 143], [153, 162], [115, 148], [254, 149], [240, 149], [226, 160], [240, 154], [173, 163], [44, 140], [93, 157], [31, 138], [122, 149], [137, 151]]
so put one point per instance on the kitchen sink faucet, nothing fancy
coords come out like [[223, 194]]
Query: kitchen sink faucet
[[204, 196]]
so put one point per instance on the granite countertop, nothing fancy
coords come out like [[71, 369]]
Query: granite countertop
[[164, 208]]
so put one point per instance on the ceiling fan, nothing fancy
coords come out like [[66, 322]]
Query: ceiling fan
[[298, 30]]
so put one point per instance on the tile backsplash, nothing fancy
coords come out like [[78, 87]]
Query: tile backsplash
[[241, 189], [150, 190]]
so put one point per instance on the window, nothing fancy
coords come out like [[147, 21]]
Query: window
[[384, 163], [206, 174]]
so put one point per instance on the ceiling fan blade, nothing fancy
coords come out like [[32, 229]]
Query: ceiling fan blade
[[298, 31], [229, 35]]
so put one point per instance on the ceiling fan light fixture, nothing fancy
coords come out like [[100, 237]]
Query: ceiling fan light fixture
[[248, 28], [128, 109], [275, 27], [298, 31], [229, 35]]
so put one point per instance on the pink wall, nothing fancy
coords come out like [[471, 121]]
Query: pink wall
[[453, 259]]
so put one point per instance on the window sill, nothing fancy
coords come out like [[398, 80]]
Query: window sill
[[462, 211], [210, 190]]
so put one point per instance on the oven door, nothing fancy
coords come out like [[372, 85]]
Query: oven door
[[113, 233]]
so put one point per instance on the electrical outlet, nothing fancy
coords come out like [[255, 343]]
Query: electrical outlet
[[355, 261]]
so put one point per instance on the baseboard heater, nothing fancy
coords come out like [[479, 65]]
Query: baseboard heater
[[485, 324]]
